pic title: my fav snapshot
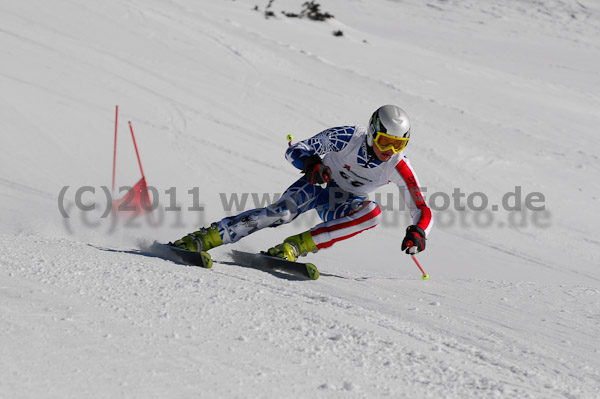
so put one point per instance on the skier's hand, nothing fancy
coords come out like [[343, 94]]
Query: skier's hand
[[315, 171], [414, 241]]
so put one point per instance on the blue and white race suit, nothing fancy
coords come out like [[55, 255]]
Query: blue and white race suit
[[342, 205]]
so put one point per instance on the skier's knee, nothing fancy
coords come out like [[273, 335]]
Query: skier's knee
[[280, 213], [373, 209], [286, 216]]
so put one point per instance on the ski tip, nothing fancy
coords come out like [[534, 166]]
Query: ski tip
[[313, 272], [207, 261], [202, 259]]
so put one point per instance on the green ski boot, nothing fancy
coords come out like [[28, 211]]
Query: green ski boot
[[201, 240], [293, 247]]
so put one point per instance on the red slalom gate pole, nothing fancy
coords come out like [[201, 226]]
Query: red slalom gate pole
[[136, 149], [115, 149], [137, 153]]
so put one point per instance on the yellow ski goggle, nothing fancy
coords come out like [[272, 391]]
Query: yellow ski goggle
[[387, 142]]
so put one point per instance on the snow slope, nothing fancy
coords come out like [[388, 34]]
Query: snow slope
[[502, 94]]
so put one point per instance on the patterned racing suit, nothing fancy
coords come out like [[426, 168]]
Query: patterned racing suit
[[342, 205]]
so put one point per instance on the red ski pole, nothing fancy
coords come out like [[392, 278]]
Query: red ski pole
[[425, 275], [409, 244], [115, 149]]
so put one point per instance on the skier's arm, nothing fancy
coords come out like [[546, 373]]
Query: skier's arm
[[333, 139], [410, 190], [416, 234]]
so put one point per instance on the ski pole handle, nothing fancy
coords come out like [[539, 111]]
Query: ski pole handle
[[409, 245]]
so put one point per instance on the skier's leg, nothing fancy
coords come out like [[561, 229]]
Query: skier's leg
[[358, 215], [234, 228], [298, 198]]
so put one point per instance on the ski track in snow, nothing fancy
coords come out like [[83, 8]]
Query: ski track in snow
[[494, 88]]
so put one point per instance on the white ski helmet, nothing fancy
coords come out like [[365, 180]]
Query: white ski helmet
[[390, 120]]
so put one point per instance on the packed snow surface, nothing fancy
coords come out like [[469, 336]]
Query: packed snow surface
[[504, 98]]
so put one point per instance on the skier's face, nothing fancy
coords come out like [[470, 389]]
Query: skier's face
[[383, 156]]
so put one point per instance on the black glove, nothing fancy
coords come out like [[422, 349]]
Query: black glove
[[414, 241], [315, 171]]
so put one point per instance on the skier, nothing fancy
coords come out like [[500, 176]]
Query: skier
[[341, 166]]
